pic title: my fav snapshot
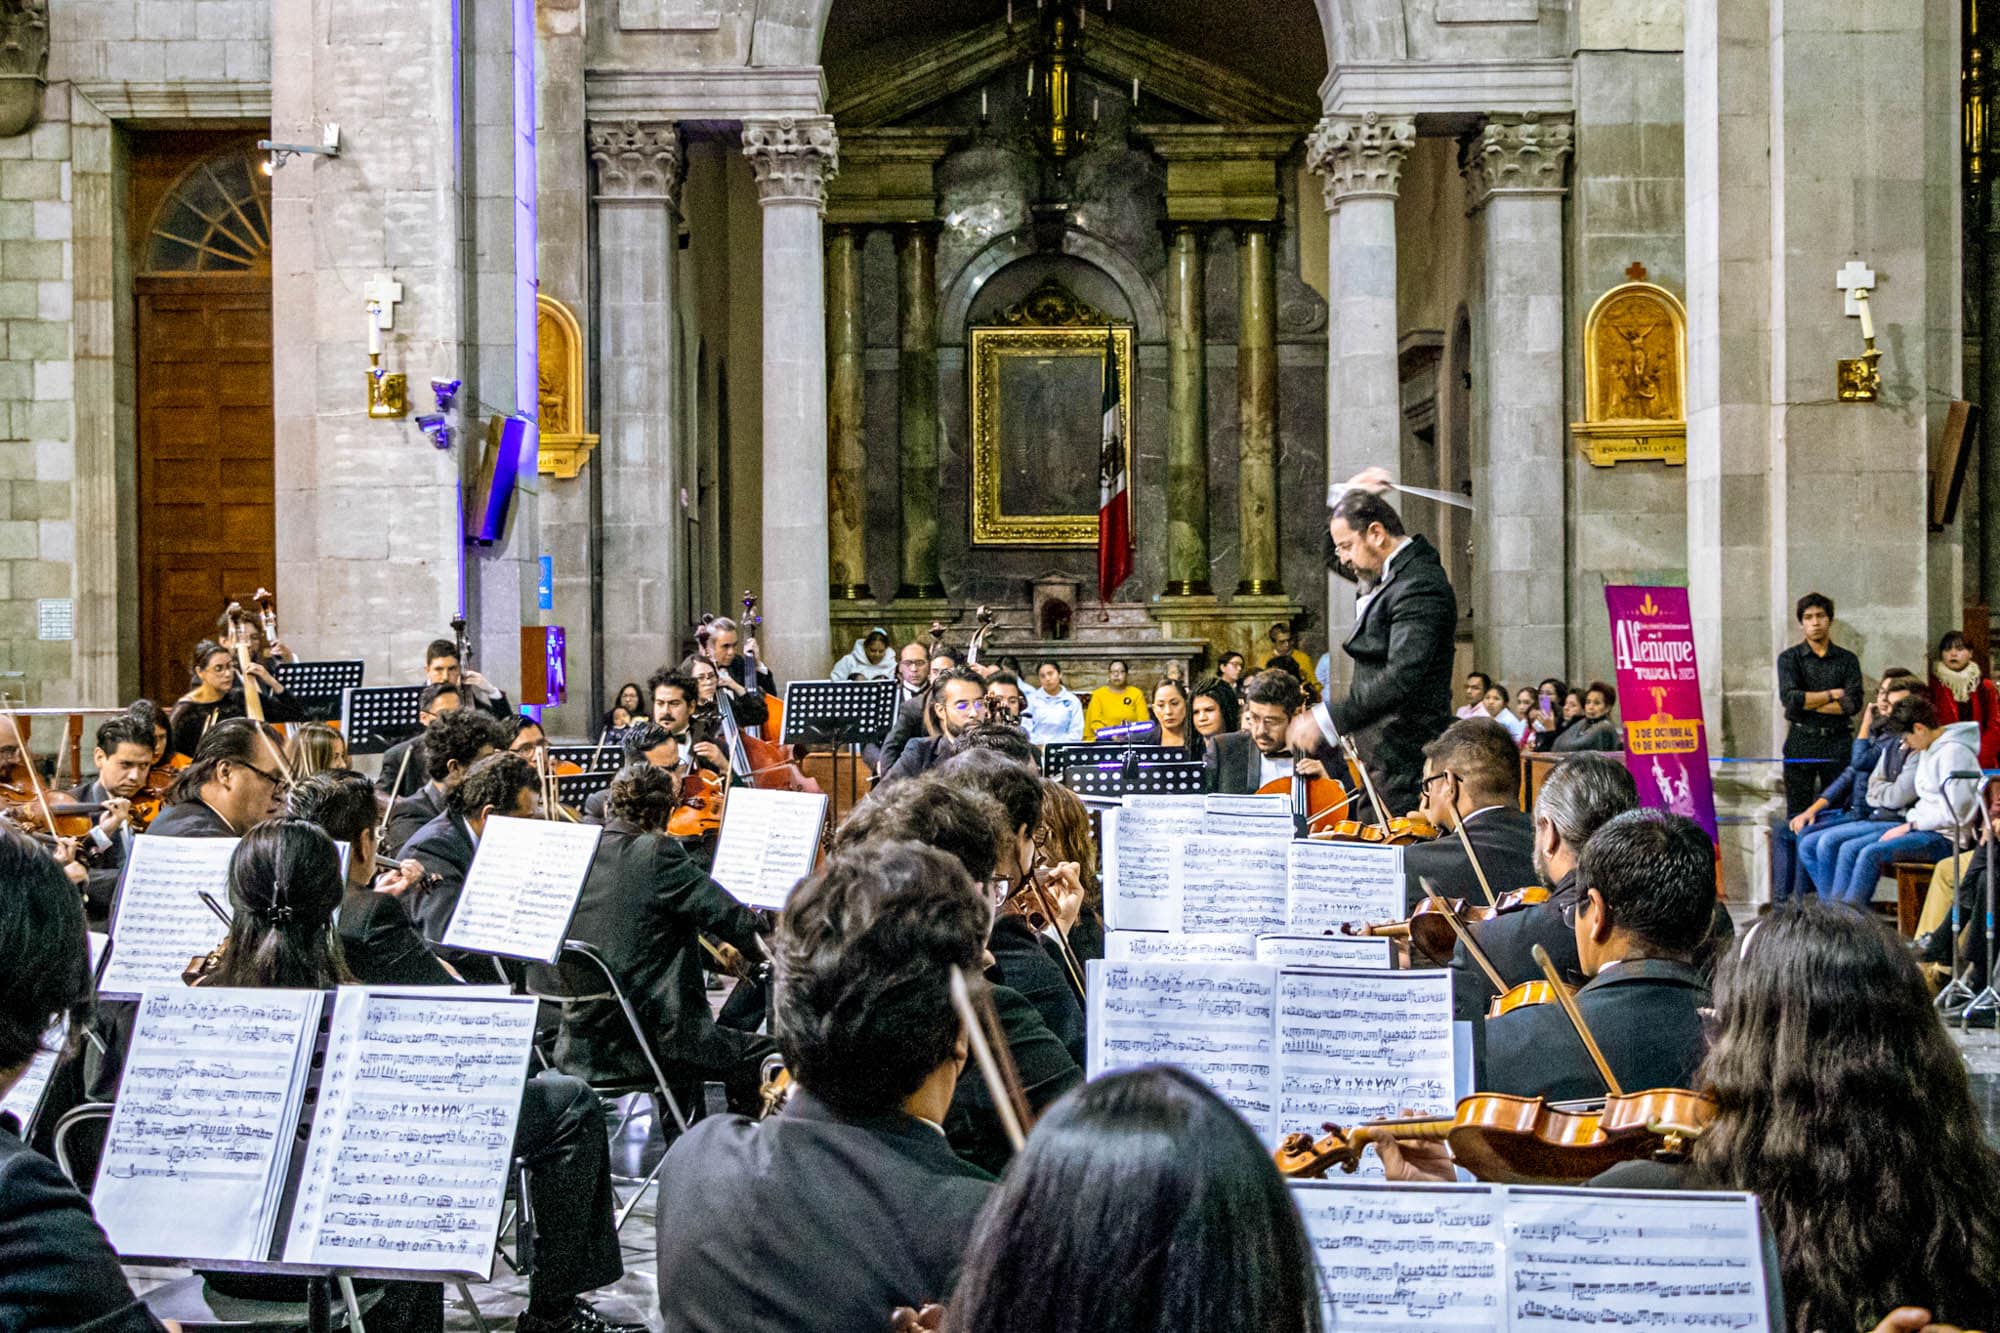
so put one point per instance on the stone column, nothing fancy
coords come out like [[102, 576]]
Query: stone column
[[917, 377], [847, 463], [793, 156], [1361, 159], [1187, 407], [1257, 409], [639, 166], [1515, 167]]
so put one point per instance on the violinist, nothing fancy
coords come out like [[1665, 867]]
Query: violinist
[[643, 905], [217, 694], [1645, 906], [315, 747], [1241, 762], [650, 744], [1472, 774], [443, 667], [1005, 699], [1583, 794], [237, 779], [377, 939], [499, 784], [676, 697], [403, 765], [124, 758], [849, 1202], [453, 742], [913, 709], [154, 719], [530, 741]]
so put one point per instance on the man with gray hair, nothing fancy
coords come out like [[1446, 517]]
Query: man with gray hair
[[1585, 792]]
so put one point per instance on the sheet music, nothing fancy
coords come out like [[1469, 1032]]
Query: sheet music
[[1251, 806], [195, 1160], [1211, 1019], [1363, 1045], [1139, 851], [1328, 883], [1634, 1260], [21, 1100], [1130, 946], [1407, 1258], [1323, 951], [768, 843], [410, 1149], [522, 887], [160, 922], [1230, 876]]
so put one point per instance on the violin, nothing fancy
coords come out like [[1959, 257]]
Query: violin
[[1523, 996], [1033, 903], [1397, 832], [699, 812], [1526, 1140], [1427, 930]]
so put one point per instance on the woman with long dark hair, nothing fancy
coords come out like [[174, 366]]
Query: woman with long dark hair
[[1215, 708], [284, 884], [216, 693], [1142, 1204]]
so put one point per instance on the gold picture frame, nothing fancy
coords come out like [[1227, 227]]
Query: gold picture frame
[[1021, 369], [1634, 376]]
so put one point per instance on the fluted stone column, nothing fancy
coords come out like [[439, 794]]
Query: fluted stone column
[[1514, 166], [1187, 407], [1257, 409], [638, 175], [917, 377], [793, 157], [1361, 161], [847, 463]]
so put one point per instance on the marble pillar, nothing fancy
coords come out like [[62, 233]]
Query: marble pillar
[[793, 157], [917, 377], [847, 462], [1360, 159], [1187, 429], [1257, 409], [1514, 167], [639, 166]]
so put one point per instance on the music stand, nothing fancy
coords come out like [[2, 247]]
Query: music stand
[[318, 686], [606, 758], [1058, 756], [375, 719], [1181, 777], [841, 715], [573, 789]]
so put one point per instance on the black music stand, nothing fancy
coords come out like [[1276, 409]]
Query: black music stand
[[318, 686], [1180, 777], [375, 719], [1058, 756], [573, 789], [606, 758], [841, 715]]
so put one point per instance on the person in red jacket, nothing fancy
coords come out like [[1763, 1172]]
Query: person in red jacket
[[1961, 694]]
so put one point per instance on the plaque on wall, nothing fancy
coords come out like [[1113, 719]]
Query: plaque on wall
[[565, 445], [1634, 375], [1037, 399]]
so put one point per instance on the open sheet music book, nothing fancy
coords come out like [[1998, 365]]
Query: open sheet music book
[[1512, 1259], [160, 921], [1289, 1048], [1130, 946], [522, 887], [768, 843], [1229, 864], [412, 1121]]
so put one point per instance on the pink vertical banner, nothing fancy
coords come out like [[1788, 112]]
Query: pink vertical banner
[[1659, 696]]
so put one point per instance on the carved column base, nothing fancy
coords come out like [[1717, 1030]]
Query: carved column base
[[849, 592], [920, 591], [1185, 588], [1259, 588]]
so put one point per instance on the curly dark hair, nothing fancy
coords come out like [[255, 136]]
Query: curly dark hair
[[459, 737], [1001, 737], [864, 952], [1273, 687], [1016, 786], [496, 781], [1842, 1102], [643, 795], [960, 821]]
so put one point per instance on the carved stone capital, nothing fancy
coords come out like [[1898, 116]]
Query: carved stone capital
[[1360, 156], [794, 157], [1525, 154], [24, 64], [638, 159]]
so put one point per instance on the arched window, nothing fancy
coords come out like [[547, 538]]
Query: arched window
[[216, 219]]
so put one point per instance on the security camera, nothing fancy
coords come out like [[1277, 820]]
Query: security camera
[[436, 429], [446, 393]]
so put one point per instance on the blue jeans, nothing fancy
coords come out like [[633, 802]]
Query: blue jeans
[[1855, 880], [1788, 874], [1819, 846]]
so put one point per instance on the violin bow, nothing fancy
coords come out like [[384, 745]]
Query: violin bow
[[1367, 783], [1563, 997], [1001, 1081], [1458, 826], [28, 762], [1458, 928]]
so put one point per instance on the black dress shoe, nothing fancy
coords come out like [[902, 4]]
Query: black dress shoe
[[581, 1317]]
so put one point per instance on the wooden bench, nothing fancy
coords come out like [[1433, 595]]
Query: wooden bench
[[1913, 881]]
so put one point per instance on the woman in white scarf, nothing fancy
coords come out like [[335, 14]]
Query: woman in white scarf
[[1960, 693]]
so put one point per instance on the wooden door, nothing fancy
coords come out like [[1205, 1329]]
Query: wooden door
[[206, 530]]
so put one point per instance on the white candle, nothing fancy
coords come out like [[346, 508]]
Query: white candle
[[1135, 90], [1867, 320], [1010, 13], [1031, 79], [982, 104], [374, 330], [1093, 108]]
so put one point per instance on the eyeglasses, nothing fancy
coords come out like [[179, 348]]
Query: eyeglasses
[[1424, 787], [973, 706], [278, 784]]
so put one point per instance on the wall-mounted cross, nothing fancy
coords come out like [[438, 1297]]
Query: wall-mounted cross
[[1855, 277], [384, 293]]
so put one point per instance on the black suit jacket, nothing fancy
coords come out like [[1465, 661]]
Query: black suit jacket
[[445, 848], [811, 1221], [1029, 964], [1502, 839], [1645, 1014], [57, 1270], [918, 757], [415, 774], [1046, 1070], [1508, 942], [1232, 764], [642, 904], [107, 864], [1400, 698], [908, 725], [189, 819], [382, 945], [407, 815]]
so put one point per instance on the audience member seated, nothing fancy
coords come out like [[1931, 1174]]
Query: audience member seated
[[1647, 904], [404, 767], [1944, 804], [57, 1270], [1054, 713], [1598, 730], [868, 661], [1116, 703], [1477, 683], [1217, 707], [499, 784], [1845, 800], [957, 701], [453, 742], [1494, 707], [1145, 1174], [1569, 714], [849, 1203], [380, 943], [1472, 776], [1960, 693], [643, 907], [1891, 791]]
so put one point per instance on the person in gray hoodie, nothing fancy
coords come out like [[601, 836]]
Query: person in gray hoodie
[[870, 659], [1945, 802]]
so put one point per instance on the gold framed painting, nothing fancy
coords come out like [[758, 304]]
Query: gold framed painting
[[1038, 430]]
